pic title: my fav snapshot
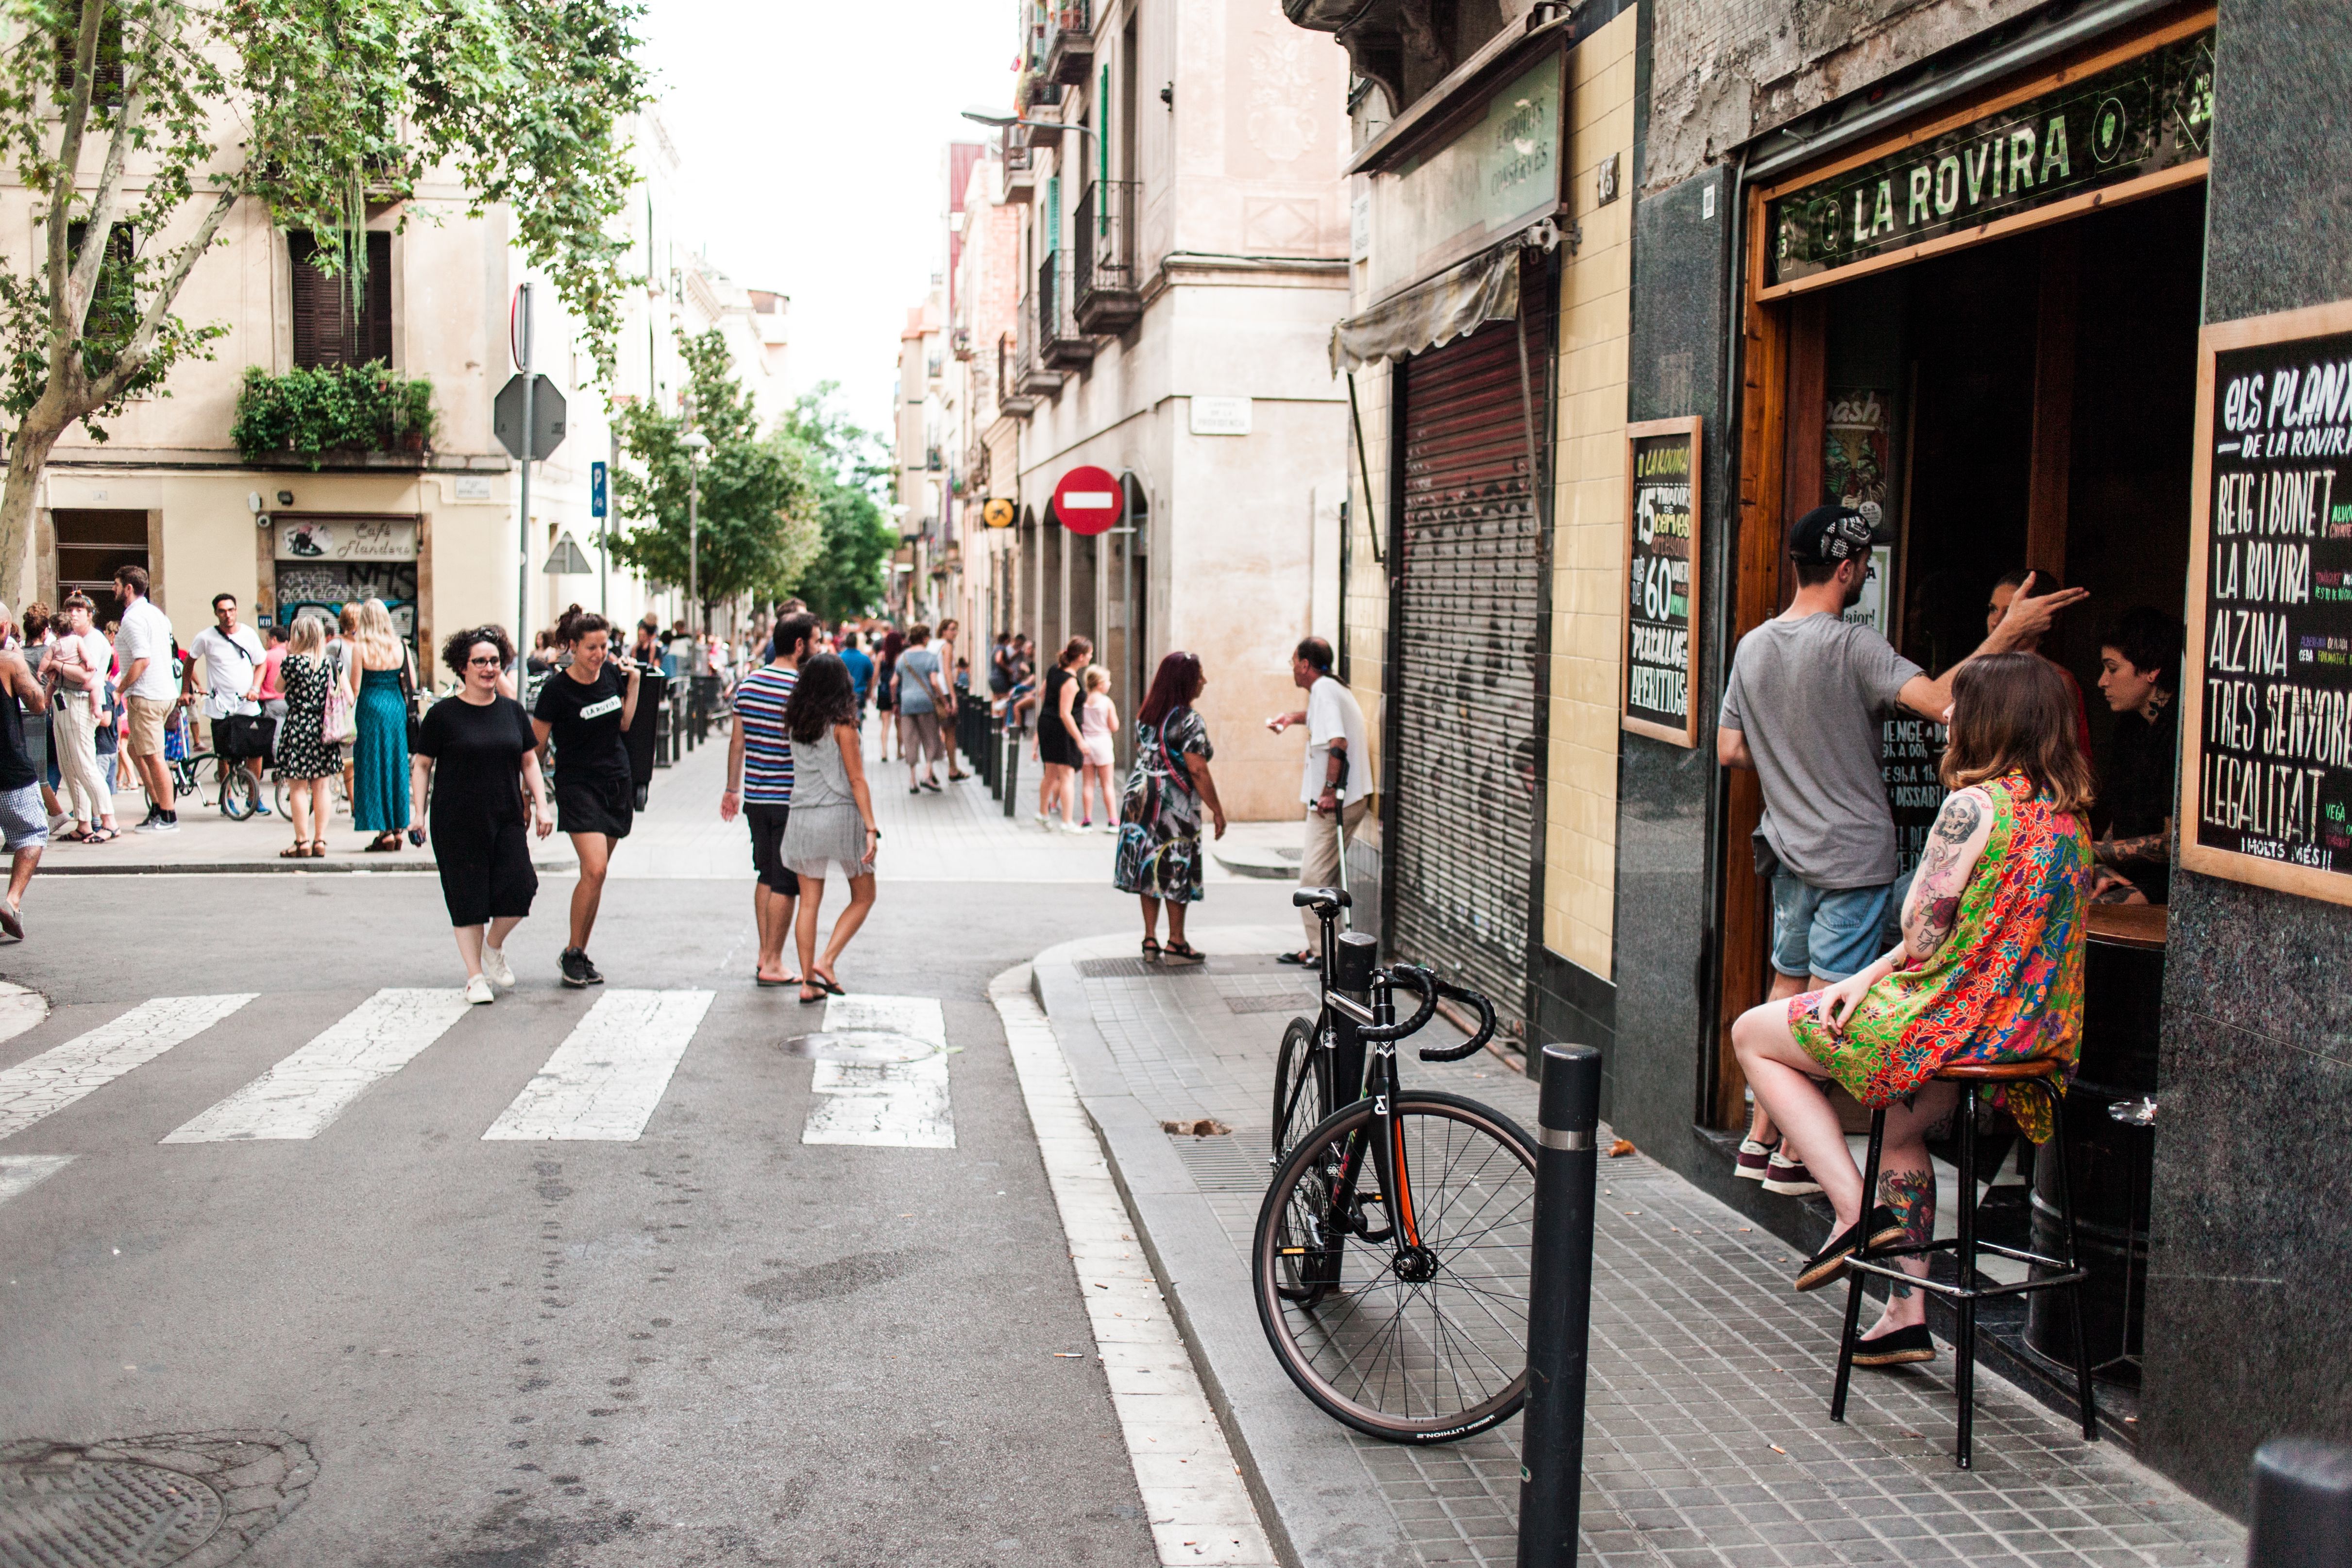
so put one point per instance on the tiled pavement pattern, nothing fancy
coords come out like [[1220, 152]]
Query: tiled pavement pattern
[[1708, 1440]]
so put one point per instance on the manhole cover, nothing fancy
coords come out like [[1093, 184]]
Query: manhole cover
[[860, 1046], [101, 1513]]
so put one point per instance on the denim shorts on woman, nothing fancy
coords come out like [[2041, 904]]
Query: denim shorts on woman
[[1829, 932]]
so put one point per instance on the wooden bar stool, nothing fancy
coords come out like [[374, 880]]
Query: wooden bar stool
[[2042, 1077]]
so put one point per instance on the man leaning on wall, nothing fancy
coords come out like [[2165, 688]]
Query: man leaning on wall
[[1338, 782]]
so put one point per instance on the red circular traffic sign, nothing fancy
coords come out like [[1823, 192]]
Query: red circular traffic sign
[[1088, 500]]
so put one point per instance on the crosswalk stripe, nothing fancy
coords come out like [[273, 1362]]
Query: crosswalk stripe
[[63, 1074], [302, 1095], [23, 1173], [605, 1079], [896, 1104]]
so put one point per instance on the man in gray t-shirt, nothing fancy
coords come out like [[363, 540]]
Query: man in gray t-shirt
[[1802, 707]]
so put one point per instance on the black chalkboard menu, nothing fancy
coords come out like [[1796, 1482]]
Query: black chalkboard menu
[[1661, 557], [2267, 694]]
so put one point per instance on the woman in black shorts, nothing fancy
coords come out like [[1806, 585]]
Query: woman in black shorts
[[587, 706], [481, 745]]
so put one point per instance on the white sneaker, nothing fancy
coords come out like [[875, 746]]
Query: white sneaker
[[494, 965], [478, 992], [1074, 827]]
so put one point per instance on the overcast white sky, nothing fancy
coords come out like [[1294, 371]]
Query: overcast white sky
[[811, 134]]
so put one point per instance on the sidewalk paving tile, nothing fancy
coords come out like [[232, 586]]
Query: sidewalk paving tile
[[1707, 1439]]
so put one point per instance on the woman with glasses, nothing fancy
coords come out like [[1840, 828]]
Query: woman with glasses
[[481, 744]]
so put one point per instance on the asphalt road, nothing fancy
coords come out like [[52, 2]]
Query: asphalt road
[[714, 1344]]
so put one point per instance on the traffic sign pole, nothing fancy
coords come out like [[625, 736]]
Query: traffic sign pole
[[530, 430]]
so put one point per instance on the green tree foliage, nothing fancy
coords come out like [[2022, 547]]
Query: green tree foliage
[[757, 528], [139, 124], [856, 534]]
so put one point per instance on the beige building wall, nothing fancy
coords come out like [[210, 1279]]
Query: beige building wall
[[1589, 511]]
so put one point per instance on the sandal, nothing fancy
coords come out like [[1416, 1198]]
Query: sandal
[[298, 853], [102, 836], [1182, 953], [79, 836], [1150, 949], [388, 842], [317, 849]]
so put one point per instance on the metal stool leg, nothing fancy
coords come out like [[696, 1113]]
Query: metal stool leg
[[1846, 1338], [1964, 1359], [2057, 1146]]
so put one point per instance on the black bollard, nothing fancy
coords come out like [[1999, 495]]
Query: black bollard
[[2302, 1505], [1559, 1314]]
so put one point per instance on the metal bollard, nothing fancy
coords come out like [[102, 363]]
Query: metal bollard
[[1012, 771], [2302, 1505], [1559, 1316]]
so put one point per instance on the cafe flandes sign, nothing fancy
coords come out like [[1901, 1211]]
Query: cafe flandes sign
[[1496, 176], [2144, 116]]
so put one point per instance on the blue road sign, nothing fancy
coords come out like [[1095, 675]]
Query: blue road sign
[[595, 489]]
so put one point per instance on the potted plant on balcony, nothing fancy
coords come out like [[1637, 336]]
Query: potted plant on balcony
[[306, 414]]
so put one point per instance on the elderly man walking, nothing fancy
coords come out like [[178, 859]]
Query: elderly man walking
[[1338, 778]]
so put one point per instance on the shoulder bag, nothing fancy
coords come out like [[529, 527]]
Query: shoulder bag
[[340, 724]]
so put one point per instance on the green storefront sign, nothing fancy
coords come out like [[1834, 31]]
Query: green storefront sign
[[2151, 113], [1498, 176]]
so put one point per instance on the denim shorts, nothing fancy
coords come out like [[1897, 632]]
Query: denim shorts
[[23, 820], [1829, 932]]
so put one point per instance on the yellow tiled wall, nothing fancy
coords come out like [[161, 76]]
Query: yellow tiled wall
[[1588, 510]]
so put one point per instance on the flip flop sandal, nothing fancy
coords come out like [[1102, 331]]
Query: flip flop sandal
[[830, 987], [760, 980]]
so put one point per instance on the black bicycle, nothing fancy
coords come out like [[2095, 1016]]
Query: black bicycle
[[1417, 1334]]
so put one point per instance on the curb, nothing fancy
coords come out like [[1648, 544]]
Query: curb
[[1300, 1471], [271, 868]]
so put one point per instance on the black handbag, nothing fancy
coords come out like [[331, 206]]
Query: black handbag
[[240, 736]]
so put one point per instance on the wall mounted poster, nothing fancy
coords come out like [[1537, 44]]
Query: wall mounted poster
[[2266, 693], [1662, 556]]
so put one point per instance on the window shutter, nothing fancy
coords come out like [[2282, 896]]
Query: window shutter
[[375, 321], [324, 331]]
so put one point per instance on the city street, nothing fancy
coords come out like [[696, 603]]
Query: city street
[[710, 1343]]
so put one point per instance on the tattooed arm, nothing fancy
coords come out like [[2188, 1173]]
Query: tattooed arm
[[2143, 849], [1954, 845]]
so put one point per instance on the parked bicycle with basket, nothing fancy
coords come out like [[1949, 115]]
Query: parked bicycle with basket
[[1390, 1260]]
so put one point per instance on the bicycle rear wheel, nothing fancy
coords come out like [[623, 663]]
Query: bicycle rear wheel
[[1437, 1351], [1298, 1092], [239, 794]]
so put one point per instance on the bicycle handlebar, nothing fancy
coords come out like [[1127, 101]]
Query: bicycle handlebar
[[1485, 1024], [1417, 979]]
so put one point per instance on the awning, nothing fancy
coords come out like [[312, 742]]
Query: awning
[[1455, 302]]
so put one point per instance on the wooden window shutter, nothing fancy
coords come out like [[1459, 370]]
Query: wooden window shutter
[[375, 319], [324, 331]]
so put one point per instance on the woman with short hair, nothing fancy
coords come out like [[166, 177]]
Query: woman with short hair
[[386, 677], [1989, 969], [307, 759], [831, 831], [477, 753], [586, 707], [1159, 815]]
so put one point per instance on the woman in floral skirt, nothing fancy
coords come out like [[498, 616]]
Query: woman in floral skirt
[[1989, 969], [1160, 818]]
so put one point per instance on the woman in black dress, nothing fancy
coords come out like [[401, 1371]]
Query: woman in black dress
[[587, 706], [307, 759], [481, 744], [1059, 746]]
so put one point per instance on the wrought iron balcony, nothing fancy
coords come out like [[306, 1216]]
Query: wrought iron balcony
[[1031, 378], [1011, 398], [1061, 345], [1108, 297], [1070, 45]]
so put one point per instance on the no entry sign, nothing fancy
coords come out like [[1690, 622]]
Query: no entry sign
[[1088, 500]]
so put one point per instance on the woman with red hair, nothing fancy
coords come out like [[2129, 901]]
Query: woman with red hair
[[1160, 816]]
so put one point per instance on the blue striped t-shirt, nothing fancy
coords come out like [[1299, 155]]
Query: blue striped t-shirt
[[766, 750]]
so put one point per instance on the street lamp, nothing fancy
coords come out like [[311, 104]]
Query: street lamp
[[696, 444], [1002, 122]]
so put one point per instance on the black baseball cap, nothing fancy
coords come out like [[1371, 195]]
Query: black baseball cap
[[1828, 535]]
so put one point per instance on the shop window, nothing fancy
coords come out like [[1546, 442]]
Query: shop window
[[328, 329]]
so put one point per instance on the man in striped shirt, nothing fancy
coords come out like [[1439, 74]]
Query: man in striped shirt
[[760, 781]]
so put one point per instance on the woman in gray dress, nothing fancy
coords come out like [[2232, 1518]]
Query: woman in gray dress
[[832, 820]]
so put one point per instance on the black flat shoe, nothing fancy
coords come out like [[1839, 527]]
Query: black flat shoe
[[1896, 1347], [1303, 960], [1881, 1227]]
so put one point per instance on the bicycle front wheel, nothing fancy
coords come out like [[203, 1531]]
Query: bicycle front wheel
[[239, 792], [1425, 1344]]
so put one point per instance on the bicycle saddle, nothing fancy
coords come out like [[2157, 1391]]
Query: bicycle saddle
[[1319, 898]]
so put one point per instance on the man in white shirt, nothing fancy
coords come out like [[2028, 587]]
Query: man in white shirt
[[1337, 781], [149, 687], [229, 657]]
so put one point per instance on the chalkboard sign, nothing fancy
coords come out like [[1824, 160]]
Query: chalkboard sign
[[2266, 695], [1661, 557]]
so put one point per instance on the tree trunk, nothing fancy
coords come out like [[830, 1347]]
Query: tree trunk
[[28, 456]]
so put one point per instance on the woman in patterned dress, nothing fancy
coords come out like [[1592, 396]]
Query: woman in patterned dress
[[1989, 969], [307, 759], [1160, 818]]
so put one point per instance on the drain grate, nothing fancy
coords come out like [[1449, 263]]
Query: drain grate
[[1227, 1162], [1289, 1002], [1135, 968], [95, 1513]]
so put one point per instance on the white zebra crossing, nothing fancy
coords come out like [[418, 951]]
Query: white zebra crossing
[[302, 1095], [21, 1174], [63, 1074], [893, 1104], [605, 1079]]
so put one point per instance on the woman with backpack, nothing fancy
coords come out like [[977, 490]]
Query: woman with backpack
[[1159, 817]]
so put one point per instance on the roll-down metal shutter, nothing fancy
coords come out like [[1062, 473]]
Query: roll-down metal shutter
[[1460, 843]]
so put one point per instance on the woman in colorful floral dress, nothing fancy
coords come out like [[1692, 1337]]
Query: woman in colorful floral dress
[[1989, 969], [1159, 817]]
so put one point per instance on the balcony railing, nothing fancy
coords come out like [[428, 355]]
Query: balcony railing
[[1070, 44], [1020, 172], [1061, 346], [1108, 297], [1011, 398], [1031, 378]]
